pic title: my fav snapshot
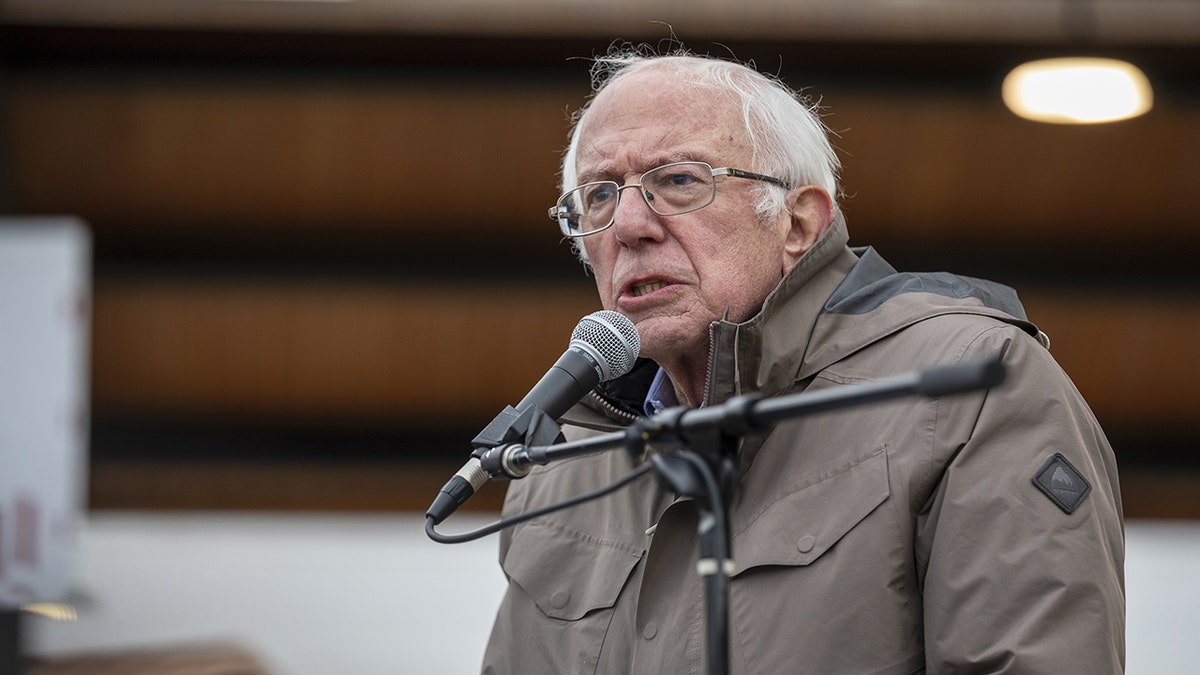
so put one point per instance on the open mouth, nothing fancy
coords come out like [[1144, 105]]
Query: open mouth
[[638, 290]]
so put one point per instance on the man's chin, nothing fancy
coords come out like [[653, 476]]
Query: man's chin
[[666, 339]]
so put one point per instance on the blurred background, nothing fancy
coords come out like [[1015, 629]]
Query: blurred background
[[321, 263]]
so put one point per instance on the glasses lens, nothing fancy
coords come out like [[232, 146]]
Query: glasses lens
[[568, 214], [587, 208], [679, 188], [670, 190]]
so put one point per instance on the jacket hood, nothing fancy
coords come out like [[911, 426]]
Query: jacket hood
[[874, 301]]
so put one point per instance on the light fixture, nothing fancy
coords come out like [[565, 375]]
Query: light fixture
[[1078, 89]]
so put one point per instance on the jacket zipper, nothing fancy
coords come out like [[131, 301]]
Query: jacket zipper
[[611, 410], [712, 363]]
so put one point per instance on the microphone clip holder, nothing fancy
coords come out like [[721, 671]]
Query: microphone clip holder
[[530, 427]]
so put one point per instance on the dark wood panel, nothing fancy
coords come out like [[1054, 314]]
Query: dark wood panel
[[412, 486], [953, 169], [250, 485], [1160, 493], [336, 350], [1130, 354], [342, 350], [143, 157], [1116, 21], [280, 157]]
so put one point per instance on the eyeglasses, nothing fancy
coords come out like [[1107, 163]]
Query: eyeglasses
[[669, 190]]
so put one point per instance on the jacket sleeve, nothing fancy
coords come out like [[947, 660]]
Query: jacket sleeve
[[1020, 547]]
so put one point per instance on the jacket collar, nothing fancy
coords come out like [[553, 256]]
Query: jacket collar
[[764, 353], [832, 303]]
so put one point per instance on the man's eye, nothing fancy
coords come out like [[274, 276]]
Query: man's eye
[[598, 195], [677, 179]]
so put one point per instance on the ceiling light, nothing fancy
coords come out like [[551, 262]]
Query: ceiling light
[[1077, 90]]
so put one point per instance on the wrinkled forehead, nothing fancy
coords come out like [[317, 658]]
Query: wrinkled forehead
[[660, 116]]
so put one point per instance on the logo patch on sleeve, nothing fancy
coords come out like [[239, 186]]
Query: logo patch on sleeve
[[1062, 483]]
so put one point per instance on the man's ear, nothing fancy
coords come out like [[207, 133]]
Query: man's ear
[[811, 213]]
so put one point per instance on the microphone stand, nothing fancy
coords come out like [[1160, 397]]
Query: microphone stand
[[705, 467]]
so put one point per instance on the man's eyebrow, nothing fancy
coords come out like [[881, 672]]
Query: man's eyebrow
[[607, 171], [674, 157], [592, 175]]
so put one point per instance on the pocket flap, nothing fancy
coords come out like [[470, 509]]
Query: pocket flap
[[568, 573], [802, 525]]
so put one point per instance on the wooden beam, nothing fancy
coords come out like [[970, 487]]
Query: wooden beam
[[278, 157], [364, 350], [1117, 21], [231, 158], [409, 486], [1128, 353], [337, 350]]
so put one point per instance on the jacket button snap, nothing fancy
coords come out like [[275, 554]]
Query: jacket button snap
[[650, 631], [560, 599], [806, 543]]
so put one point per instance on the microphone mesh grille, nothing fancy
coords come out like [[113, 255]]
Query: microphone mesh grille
[[613, 337]]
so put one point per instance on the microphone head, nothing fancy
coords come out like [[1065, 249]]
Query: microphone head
[[611, 339]]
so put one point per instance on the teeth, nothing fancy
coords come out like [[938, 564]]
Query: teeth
[[642, 289]]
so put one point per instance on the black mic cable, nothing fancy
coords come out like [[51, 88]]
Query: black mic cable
[[604, 345]]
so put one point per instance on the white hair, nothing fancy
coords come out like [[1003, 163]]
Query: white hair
[[787, 138]]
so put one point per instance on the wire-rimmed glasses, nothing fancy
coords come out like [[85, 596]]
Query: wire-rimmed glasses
[[669, 190]]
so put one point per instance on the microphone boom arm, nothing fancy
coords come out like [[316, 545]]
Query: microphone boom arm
[[749, 412]]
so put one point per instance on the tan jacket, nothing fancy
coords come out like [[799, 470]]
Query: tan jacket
[[906, 537]]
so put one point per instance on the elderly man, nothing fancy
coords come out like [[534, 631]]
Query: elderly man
[[974, 533]]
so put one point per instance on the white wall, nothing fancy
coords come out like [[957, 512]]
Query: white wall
[[45, 291], [313, 595]]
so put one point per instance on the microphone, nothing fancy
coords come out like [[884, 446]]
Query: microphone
[[604, 345]]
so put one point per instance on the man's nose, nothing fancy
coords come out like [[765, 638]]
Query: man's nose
[[634, 221]]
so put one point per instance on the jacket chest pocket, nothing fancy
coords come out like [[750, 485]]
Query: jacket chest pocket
[[799, 527], [820, 568], [568, 574], [563, 592]]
